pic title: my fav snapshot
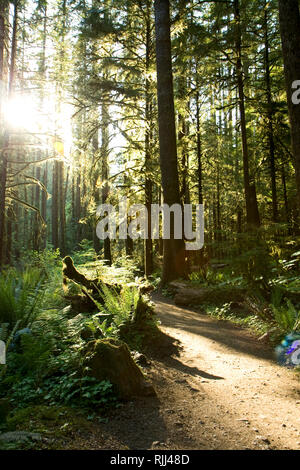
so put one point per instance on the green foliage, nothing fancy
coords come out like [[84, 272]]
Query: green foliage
[[80, 391], [34, 358], [85, 254], [249, 265], [68, 389], [277, 318], [20, 295], [127, 315], [47, 365], [213, 277], [102, 325], [126, 266], [253, 322], [46, 260], [120, 306], [287, 317]]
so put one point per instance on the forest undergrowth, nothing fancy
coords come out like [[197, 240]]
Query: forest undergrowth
[[267, 271], [45, 373], [45, 337]]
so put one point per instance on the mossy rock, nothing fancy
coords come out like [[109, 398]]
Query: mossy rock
[[110, 359]]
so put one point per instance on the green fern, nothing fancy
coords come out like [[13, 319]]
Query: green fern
[[20, 295], [120, 306], [286, 317]]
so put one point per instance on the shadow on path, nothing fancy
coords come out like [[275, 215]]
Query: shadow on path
[[193, 371], [223, 332]]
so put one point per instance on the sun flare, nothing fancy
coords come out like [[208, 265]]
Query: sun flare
[[21, 113]]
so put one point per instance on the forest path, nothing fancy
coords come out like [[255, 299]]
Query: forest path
[[233, 394], [218, 388]]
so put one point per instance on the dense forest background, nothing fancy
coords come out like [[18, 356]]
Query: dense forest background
[[79, 124]]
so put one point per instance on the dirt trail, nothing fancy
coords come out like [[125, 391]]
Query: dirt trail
[[241, 397], [222, 391]]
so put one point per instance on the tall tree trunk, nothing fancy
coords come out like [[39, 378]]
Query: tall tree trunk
[[3, 32], [289, 18], [183, 127], [44, 207], [286, 202], [129, 242], [96, 174], [44, 172], [55, 208], [9, 234], [61, 205], [218, 204], [37, 203], [78, 206], [4, 150], [182, 134], [200, 254], [60, 164], [174, 264], [270, 118], [199, 153], [249, 186], [105, 171], [148, 248]]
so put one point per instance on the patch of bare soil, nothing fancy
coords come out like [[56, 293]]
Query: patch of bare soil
[[217, 388]]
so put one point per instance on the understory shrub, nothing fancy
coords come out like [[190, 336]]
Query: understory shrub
[[46, 365], [20, 295]]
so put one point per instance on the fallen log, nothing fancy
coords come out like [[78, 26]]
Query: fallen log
[[192, 296], [72, 274], [91, 288]]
